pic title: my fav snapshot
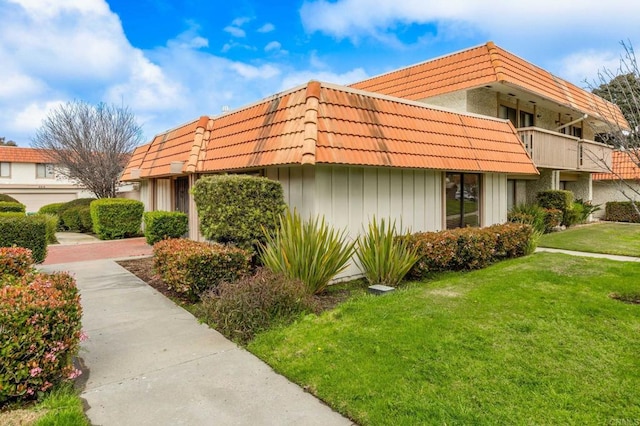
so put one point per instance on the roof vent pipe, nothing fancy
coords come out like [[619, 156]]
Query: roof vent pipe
[[571, 123]]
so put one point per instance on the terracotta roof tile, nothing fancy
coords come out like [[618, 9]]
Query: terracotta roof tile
[[323, 123], [134, 163], [483, 65], [14, 154], [623, 166]]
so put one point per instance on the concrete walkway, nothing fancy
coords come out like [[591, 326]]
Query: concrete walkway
[[586, 254], [151, 363]]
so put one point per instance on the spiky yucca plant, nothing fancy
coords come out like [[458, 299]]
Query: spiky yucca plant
[[384, 258], [310, 250]]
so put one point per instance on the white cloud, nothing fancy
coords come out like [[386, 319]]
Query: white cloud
[[235, 31], [275, 47], [300, 77], [238, 22], [583, 67], [266, 28], [252, 72], [31, 115]]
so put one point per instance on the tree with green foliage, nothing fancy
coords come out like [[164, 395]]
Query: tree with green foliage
[[5, 142], [90, 144]]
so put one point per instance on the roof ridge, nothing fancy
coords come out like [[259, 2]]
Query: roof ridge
[[311, 122], [496, 62], [196, 147]]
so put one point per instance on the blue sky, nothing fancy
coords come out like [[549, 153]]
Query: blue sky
[[172, 61]]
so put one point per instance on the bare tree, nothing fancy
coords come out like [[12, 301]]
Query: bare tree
[[622, 88], [90, 144]]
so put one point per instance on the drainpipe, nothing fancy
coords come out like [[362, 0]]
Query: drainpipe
[[571, 123]]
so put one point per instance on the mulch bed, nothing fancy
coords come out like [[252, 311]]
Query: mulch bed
[[143, 269], [633, 299]]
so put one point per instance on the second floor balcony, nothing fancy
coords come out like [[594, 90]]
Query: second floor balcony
[[553, 150]]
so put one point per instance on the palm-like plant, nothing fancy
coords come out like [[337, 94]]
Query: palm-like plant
[[311, 251], [384, 258]]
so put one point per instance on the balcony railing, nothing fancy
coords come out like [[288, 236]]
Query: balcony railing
[[552, 150]]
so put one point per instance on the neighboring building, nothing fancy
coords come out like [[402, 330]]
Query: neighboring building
[[557, 121], [622, 184], [28, 175], [433, 146]]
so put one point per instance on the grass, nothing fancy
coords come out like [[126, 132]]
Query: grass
[[61, 407], [611, 238], [535, 340]]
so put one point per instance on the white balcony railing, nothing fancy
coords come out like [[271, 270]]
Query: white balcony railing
[[552, 150]]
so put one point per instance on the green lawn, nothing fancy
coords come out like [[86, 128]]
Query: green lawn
[[611, 238], [535, 340]]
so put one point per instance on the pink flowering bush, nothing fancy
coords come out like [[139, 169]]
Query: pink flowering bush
[[39, 333], [191, 268], [16, 261]]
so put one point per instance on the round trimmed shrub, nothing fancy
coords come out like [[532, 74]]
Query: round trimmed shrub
[[12, 207], [25, 231], [53, 208], [5, 197]]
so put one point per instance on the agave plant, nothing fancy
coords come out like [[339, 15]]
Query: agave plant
[[384, 258], [311, 251]]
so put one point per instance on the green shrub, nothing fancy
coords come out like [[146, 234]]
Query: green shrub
[[116, 217], [71, 218], [476, 248], [40, 326], [86, 223], [384, 258], [160, 225], [555, 199], [12, 214], [587, 209], [10, 206], [71, 204], [241, 309], [15, 261], [552, 219], [530, 214], [235, 208], [53, 208], [9, 198], [621, 211], [25, 231], [51, 223], [191, 268], [310, 251], [469, 248], [574, 215], [512, 239]]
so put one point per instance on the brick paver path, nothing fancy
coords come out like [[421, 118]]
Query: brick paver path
[[99, 250]]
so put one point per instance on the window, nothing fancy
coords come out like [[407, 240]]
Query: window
[[526, 118], [462, 200], [5, 170], [44, 171]]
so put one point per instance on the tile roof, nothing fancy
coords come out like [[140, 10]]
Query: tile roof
[[483, 65], [14, 154], [624, 165], [323, 123], [320, 123]]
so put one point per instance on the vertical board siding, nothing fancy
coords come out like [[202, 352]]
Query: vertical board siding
[[298, 187], [145, 195], [163, 194], [494, 200]]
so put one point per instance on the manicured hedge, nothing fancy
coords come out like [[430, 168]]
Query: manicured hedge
[[235, 208], [53, 208], [40, 323], [191, 268], [73, 204], [468, 248], [27, 231], [621, 211], [9, 206], [51, 223], [160, 225], [5, 197], [555, 199], [115, 218]]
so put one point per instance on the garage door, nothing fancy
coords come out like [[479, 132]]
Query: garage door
[[34, 201]]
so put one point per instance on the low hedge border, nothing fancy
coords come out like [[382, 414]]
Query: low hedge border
[[621, 211]]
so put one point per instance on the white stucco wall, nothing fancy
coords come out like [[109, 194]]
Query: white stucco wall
[[604, 191]]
